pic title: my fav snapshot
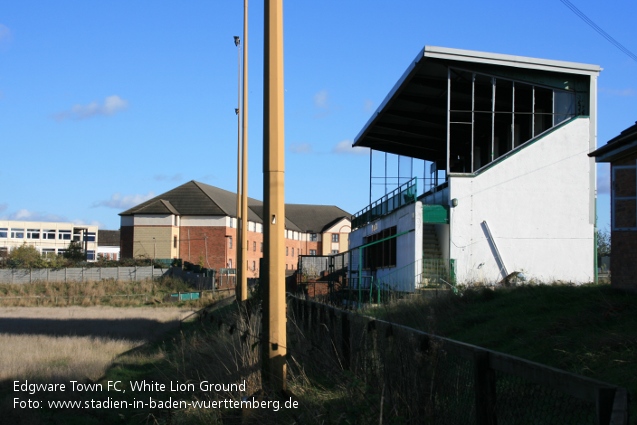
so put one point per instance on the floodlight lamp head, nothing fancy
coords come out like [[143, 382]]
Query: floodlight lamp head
[[237, 40]]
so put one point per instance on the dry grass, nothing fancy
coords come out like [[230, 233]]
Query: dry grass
[[74, 342], [51, 357]]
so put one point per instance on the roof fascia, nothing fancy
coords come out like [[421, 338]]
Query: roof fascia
[[500, 59], [614, 152]]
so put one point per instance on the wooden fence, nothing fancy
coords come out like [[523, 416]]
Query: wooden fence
[[441, 381]]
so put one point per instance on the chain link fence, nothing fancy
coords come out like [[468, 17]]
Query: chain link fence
[[421, 378]]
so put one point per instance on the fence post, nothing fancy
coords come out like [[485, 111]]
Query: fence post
[[306, 315], [314, 328], [484, 389], [346, 342], [619, 415], [604, 405]]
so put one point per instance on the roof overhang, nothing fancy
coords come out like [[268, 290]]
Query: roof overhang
[[617, 147], [412, 120]]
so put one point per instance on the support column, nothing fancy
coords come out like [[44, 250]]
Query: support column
[[274, 318]]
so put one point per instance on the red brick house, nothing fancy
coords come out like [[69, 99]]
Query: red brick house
[[621, 153], [197, 223]]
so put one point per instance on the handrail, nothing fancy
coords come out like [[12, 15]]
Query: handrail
[[403, 195]]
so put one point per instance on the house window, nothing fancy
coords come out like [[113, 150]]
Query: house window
[[334, 251], [335, 237], [624, 197], [254, 265], [90, 255], [64, 235], [61, 252], [292, 252], [229, 242], [381, 254], [48, 252], [286, 251], [312, 252], [254, 246], [313, 237], [17, 233], [33, 233], [261, 246], [174, 241], [4, 232], [48, 234], [89, 237]]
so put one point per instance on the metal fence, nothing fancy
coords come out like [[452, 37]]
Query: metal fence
[[434, 380], [79, 274], [399, 197]]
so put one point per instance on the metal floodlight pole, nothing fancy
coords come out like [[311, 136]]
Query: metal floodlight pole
[[239, 259], [274, 303], [243, 283]]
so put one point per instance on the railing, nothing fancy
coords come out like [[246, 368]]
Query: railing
[[435, 380], [403, 195]]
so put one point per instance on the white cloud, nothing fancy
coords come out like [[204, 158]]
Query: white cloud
[[26, 215], [345, 147], [368, 105], [301, 148], [3, 207], [320, 100], [5, 34], [120, 202], [163, 177], [603, 179], [110, 106], [619, 92]]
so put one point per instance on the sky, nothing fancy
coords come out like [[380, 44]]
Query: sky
[[104, 105]]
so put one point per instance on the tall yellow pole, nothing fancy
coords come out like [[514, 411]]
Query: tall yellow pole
[[243, 289], [237, 245], [274, 305]]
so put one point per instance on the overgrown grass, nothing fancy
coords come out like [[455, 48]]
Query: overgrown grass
[[105, 292], [57, 345], [589, 330]]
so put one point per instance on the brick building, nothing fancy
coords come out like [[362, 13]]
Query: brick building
[[621, 153], [197, 223]]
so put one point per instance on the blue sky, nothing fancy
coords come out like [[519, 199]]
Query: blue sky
[[105, 104]]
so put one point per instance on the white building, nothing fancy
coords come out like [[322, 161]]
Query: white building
[[47, 237], [485, 173]]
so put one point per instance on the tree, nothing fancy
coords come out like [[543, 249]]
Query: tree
[[26, 257], [603, 243], [75, 252]]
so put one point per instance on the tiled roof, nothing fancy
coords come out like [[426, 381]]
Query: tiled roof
[[108, 237], [314, 218], [196, 198]]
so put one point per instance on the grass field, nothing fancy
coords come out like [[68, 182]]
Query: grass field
[[589, 330], [78, 342]]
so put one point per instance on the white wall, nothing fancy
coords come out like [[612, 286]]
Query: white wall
[[537, 204], [153, 220], [408, 246], [203, 221]]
